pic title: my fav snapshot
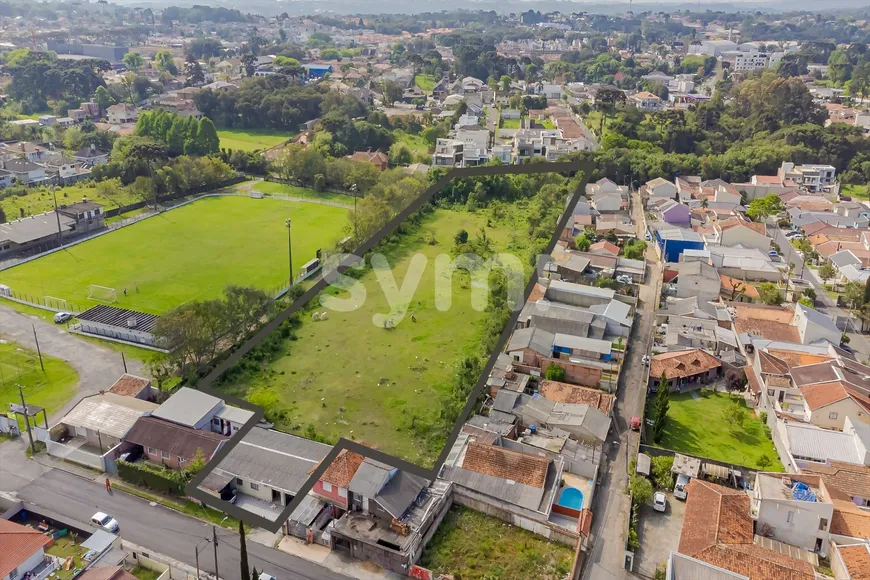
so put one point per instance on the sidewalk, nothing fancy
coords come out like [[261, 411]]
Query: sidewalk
[[334, 561]]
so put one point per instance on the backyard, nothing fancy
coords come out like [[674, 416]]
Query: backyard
[[189, 253], [425, 83], [510, 123], [40, 200], [697, 425], [251, 139], [50, 389], [350, 376], [469, 545]]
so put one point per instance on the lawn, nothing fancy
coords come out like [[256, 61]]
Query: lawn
[[697, 426], [145, 574], [39, 199], [855, 191], [425, 83], [469, 545], [50, 389], [250, 139], [63, 548], [271, 187], [189, 253], [510, 123], [349, 377], [546, 124], [415, 143]]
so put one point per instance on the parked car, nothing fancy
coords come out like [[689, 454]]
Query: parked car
[[635, 424], [845, 198], [105, 522], [773, 254], [680, 486], [624, 279], [62, 317], [646, 359], [660, 502], [265, 576]]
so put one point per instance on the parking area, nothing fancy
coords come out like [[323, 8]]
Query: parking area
[[659, 534]]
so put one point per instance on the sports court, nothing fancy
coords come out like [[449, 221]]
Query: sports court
[[185, 254]]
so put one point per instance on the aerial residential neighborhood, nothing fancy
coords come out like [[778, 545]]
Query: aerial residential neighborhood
[[539, 290]]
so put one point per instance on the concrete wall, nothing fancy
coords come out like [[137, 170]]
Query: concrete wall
[[803, 530]]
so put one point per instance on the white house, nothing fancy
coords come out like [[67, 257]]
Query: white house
[[793, 509], [661, 188], [646, 101], [23, 550], [735, 231], [91, 156], [697, 279], [24, 171], [122, 113]]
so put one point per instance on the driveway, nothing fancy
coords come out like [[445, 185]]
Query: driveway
[[163, 530], [98, 366], [659, 534]]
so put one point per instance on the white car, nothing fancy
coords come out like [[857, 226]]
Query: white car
[[62, 317], [646, 359], [660, 502], [623, 279], [105, 522], [680, 487]]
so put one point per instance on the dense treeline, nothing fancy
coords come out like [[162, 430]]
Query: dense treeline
[[181, 135], [197, 14], [40, 76]]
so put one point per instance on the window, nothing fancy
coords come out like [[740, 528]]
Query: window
[[823, 524], [13, 574], [254, 486], [164, 455], [342, 492], [180, 459], [239, 481], [790, 518], [833, 415], [327, 486], [152, 451], [215, 421]]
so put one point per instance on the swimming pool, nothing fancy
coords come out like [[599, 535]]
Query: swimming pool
[[571, 497]]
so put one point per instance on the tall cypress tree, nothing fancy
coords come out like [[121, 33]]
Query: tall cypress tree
[[243, 553], [660, 407]]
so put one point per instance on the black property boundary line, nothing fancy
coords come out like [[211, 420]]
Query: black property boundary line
[[192, 489]]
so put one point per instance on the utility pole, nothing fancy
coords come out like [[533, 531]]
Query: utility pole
[[196, 554], [26, 419], [57, 215], [289, 248], [38, 352], [215, 542], [124, 360]]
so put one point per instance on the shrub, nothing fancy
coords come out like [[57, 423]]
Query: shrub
[[152, 477], [555, 373]]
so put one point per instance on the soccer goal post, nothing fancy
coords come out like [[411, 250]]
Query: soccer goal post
[[102, 294], [54, 302]]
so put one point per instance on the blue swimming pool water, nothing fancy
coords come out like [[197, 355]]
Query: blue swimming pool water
[[571, 497]]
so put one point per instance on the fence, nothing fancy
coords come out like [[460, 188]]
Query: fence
[[659, 452], [75, 455]]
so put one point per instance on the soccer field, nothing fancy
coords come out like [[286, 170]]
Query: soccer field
[[189, 253], [242, 140]]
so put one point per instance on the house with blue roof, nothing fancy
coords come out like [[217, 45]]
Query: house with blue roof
[[318, 70]]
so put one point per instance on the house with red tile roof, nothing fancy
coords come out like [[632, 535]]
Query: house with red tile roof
[[376, 158], [604, 247], [333, 484], [683, 369], [851, 561], [718, 530], [23, 549]]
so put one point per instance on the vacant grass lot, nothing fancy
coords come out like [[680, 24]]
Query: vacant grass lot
[[189, 253], [415, 143], [698, 426], [855, 191], [271, 187], [425, 83], [510, 123], [470, 545], [50, 389], [250, 139], [348, 377], [39, 199]]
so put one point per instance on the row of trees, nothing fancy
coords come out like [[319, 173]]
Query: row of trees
[[40, 76], [182, 135]]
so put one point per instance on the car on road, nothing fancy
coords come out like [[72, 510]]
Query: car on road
[[62, 317], [635, 424], [646, 359], [265, 576], [660, 502], [105, 521], [794, 235]]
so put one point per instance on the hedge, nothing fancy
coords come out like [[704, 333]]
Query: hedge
[[152, 477]]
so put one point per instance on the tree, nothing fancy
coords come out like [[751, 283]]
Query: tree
[[207, 140], [505, 83], [734, 415], [164, 61], [606, 100], [555, 373], [255, 575], [661, 404], [133, 61], [2, 216], [763, 462], [243, 553], [853, 294], [193, 72], [770, 294], [761, 208], [142, 189], [103, 98], [583, 242], [806, 302], [461, 238], [392, 92], [641, 489], [735, 380], [827, 272]]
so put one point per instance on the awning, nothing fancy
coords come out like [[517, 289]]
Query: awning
[[716, 470], [686, 465], [643, 463], [215, 482], [307, 510]]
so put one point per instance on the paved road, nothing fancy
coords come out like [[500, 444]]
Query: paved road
[[98, 366], [611, 502], [163, 530], [857, 341]]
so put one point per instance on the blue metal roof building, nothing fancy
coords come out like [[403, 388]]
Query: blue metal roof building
[[673, 242], [318, 70]]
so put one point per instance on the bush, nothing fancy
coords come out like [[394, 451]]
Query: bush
[[641, 489], [153, 477], [555, 373], [661, 472], [319, 182]]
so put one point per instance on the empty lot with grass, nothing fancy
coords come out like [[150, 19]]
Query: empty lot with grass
[[50, 389], [385, 387], [189, 253], [697, 425], [251, 139], [471, 545]]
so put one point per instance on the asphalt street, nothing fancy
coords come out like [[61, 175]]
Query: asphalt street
[[162, 530]]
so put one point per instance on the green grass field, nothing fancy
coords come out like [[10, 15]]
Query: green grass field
[[250, 139], [348, 377], [425, 83], [510, 123], [415, 143], [50, 389], [294, 191], [856, 191], [697, 426], [189, 253], [39, 199], [471, 545]]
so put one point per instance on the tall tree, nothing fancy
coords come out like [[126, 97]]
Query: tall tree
[[133, 61], [207, 140], [660, 408], [164, 61], [243, 554], [193, 72]]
